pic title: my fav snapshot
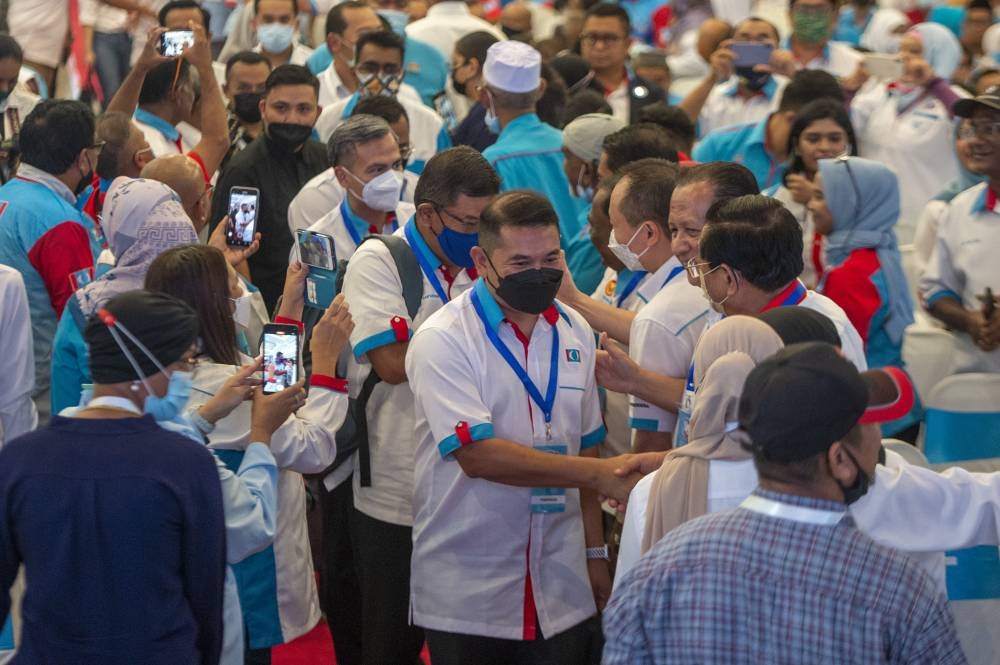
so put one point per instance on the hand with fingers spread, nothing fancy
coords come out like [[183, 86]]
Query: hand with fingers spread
[[150, 56], [330, 336], [269, 412], [721, 62], [235, 255], [233, 392]]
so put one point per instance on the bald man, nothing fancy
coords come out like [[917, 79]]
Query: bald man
[[515, 21], [183, 175]]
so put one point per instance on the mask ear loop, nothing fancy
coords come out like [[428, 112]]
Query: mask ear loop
[[114, 326]]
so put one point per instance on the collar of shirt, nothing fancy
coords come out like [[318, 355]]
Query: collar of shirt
[[805, 509], [29, 172], [157, 123], [733, 88], [792, 294], [822, 60], [335, 83], [986, 201], [526, 121], [448, 8], [362, 227], [655, 281], [494, 315]]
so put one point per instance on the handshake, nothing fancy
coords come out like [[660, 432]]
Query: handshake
[[618, 475]]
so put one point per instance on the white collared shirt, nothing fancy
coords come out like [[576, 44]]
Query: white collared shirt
[[331, 87], [373, 289], [619, 101], [300, 53], [446, 23], [17, 412], [850, 341], [725, 106], [471, 536], [839, 59], [323, 194]]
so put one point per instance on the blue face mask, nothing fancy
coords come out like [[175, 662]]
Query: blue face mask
[[171, 404], [275, 37], [457, 247], [490, 119], [397, 20]]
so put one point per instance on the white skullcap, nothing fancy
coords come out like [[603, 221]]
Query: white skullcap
[[513, 67], [584, 137]]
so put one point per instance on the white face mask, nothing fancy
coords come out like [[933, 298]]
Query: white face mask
[[241, 315], [381, 192], [624, 254]]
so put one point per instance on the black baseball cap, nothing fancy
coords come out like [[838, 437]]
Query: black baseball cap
[[990, 99], [807, 396]]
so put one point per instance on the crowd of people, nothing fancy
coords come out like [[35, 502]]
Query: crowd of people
[[591, 316]]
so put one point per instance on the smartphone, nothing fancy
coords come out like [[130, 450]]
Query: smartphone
[[173, 42], [281, 357], [749, 54], [316, 249], [886, 67], [244, 203]]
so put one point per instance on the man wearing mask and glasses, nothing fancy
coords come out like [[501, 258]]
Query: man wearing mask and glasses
[[379, 70], [278, 163]]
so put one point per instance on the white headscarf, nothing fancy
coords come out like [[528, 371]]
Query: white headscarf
[[880, 36]]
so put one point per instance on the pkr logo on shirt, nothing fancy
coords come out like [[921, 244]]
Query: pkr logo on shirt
[[572, 355], [81, 278]]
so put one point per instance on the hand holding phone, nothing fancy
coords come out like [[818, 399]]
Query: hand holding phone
[[281, 356], [244, 204], [885, 67], [751, 54], [173, 42]]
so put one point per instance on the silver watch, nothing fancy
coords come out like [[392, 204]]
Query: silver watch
[[598, 552]]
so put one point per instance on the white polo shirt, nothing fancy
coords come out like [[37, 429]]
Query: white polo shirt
[[331, 87], [837, 58], [374, 291], [300, 53], [663, 338], [963, 263], [470, 536], [446, 23], [323, 193], [621, 290], [725, 106], [348, 230], [427, 133], [918, 145]]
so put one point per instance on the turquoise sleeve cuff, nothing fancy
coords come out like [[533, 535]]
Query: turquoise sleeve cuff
[[593, 438], [938, 295], [644, 424], [384, 338], [463, 437]]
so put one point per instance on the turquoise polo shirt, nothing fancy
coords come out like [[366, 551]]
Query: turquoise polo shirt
[[746, 145], [528, 155]]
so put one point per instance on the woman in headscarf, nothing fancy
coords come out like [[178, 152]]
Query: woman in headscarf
[[854, 205], [884, 31], [907, 123], [142, 219], [712, 471]]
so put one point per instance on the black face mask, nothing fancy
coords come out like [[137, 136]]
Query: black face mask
[[862, 481], [530, 291], [754, 81], [246, 106], [288, 136]]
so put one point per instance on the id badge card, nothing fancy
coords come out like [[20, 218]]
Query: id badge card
[[549, 499], [683, 418]]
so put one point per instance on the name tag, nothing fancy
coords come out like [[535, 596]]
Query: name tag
[[683, 418], [549, 499]]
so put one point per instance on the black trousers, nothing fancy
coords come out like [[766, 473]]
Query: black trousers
[[574, 646], [382, 558], [340, 593]]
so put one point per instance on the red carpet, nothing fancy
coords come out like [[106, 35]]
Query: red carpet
[[313, 648]]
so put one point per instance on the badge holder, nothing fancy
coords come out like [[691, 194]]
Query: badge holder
[[321, 287], [549, 499]]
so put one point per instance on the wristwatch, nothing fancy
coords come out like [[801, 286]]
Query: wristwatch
[[597, 552]]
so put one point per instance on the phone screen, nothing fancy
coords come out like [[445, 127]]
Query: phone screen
[[885, 67], [243, 207], [173, 42], [281, 355], [316, 249]]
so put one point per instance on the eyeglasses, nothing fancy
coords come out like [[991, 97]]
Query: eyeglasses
[[696, 270], [607, 38], [98, 147], [375, 69], [473, 225], [405, 151], [985, 130]]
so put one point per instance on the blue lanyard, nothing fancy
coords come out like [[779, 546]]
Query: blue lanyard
[[546, 403], [352, 229], [690, 378], [673, 273], [429, 272], [630, 287]]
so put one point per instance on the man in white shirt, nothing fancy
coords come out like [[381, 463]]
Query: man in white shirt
[[730, 94], [451, 195], [507, 554], [276, 23], [446, 22], [324, 193], [345, 24], [17, 412]]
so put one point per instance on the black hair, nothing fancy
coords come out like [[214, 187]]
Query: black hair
[[247, 58], [759, 19], [728, 179], [387, 108], [519, 208], [290, 75], [809, 85], [551, 106], [206, 16], [584, 102], [651, 183], [608, 10], [980, 4], [159, 81], [674, 121], [455, 172], [820, 109], [756, 236], [335, 21], [54, 133], [576, 72], [383, 39], [475, 45], [295, 7], [9, 48], [635, 142]]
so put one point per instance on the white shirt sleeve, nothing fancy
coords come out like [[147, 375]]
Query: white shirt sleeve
[[941, 278], [17, 412], [306, 442], [250, 502]]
